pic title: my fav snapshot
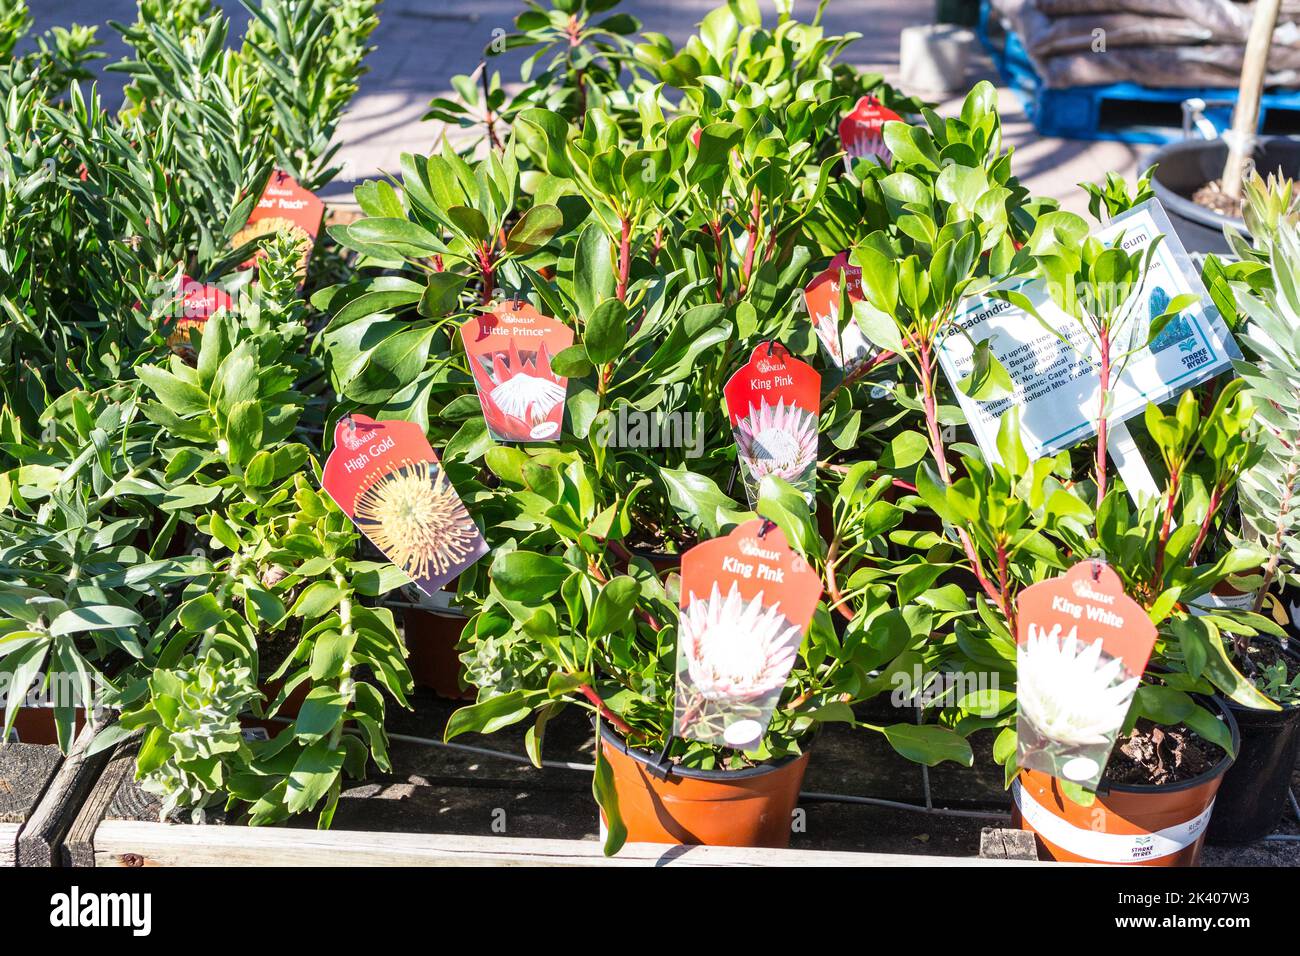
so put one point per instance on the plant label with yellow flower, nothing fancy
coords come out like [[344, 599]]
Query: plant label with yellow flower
[[284, 205], [510, 350], [386, 478], [773, 403], [1081, 647], [746, 601], [823, 301]]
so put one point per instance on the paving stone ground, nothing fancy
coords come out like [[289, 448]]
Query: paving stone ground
[[423, 43]]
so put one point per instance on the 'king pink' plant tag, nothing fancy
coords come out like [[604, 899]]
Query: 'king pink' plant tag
[[1081, 647], [510, 350], [861, 133], [746, 600], [773, 403], [386, 478]]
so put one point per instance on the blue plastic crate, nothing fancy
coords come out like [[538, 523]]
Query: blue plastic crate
[[1109, 112]]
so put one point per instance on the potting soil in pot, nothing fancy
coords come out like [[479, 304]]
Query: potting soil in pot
[[1160, 756]]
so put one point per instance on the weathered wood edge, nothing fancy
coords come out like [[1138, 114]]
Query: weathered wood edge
[[999, 843], [25, 774], [134, 843], [78, 847], [39, 839]]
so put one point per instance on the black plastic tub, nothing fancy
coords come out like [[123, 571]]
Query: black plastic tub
[[1183, 168], [1253, 796]]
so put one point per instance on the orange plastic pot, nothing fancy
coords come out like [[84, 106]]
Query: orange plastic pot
[[1126, 825], [750, 807], [35, 725], [431, 638]]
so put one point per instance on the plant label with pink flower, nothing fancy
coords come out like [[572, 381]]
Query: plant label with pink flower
[[510, 350], [861, 132], [773, 403], [746, 600], [822, 299], [1081, 647], [386, 478]]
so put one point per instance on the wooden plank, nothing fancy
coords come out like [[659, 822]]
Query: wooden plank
[[997, 843], [133, 843], [39, 839], [78, 847], [25, 772]]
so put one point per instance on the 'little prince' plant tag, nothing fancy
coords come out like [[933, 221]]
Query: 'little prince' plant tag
[[822, 299], [510, 350], [1082, 646], [773, 404], [861, 132], [746, 600], [386, 478]]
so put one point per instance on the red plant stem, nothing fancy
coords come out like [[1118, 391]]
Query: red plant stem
[[870, 365], [939, 453], [832, 585], [624, 257], [588, 692], [1101, 416], [1166, 526], [488, 269], [656, 245], [755, 221], [1004, 588], [1215, 497], [715, 230], [491, 116]]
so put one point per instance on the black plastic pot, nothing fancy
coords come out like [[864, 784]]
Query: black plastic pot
[[1183, 168], [1254, 792]]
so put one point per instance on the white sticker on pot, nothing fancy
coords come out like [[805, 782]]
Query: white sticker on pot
[[1056, 385]]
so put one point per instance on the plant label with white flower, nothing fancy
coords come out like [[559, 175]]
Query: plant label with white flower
[[773, 404], [510, 350], [862, 132], [386, 478], [827, 306], [746, 601], [1050, 360], [284, 205], [1081, 647]]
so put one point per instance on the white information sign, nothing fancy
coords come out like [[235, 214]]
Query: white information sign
[[1056, 386]]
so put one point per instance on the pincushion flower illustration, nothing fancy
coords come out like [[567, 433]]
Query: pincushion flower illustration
[[736, 650], [1069, 691], [778, 440], [415, 517], [520, 396]]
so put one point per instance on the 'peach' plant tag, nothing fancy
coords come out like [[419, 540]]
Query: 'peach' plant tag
[[746, 600], [284, 205], [386, 478], [1081, 647], [510, 350], [773, 406], [861, 133]]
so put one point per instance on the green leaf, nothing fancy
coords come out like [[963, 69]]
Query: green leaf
[[320, 713], [614, 605], [527, 576], [488, 716], [606, 332], [929, 744], [313, 775], [93, 618], [606, 794], [534, 228], [988, 381]]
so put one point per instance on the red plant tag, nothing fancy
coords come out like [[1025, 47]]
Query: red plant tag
[[861, 133], [773, 403], [510, 351], [283, 205], [1081, 647], [746, 600], [386, 478], [196, 302], [822, 300]]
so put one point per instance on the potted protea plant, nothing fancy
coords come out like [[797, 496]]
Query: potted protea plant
[[1254, 795]]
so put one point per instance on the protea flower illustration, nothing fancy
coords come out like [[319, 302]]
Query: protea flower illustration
[[518, 395], [736, 650], [778, 440], [415, 517], [1070, 692], [862, 142], [828, 331]]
